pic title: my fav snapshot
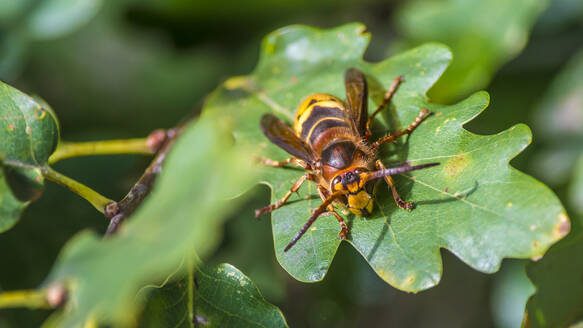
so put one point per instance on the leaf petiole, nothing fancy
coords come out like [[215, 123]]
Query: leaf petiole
[[24, 298], [108, 147], [97, 200]]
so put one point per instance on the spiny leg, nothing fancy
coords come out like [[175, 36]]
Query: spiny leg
[[392, 137], [324, 194], [386, 100], [281, 202], [317, 212], [401, 203], [272, 163]]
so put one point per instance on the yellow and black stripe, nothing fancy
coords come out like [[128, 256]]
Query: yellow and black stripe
[[318, 114]]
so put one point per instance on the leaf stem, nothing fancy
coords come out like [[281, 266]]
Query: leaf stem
[[97, 200], [24, 298], [108, 147]]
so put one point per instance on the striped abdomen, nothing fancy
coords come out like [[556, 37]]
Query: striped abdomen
[[319, 117]]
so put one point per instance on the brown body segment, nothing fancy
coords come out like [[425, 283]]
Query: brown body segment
[[330, 140]]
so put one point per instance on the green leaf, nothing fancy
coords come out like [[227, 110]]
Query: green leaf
[[483, 35], [221, 296], [29, 133], [225, 297], [184, 211], [169, 304], [474, 204], [251, 255]]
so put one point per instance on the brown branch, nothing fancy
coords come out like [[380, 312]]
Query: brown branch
[[117, 212]]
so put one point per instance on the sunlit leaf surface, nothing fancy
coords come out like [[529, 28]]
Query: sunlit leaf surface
[[474, 204]]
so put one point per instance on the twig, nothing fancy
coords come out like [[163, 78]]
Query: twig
[[117, 212]]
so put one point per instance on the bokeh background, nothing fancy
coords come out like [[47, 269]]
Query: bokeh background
[[117, 69]]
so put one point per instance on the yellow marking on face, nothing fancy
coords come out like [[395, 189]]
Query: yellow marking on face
[[353, 187]]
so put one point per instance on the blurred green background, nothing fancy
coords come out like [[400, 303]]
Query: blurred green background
[[115, 69]]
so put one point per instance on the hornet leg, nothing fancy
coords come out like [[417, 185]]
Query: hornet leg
[[324, 194], [296, 186], [317, 212], [386, 100], [392, 137], [401, 203], [272, 163]]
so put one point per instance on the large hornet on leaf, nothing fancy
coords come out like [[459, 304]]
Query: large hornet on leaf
[[331, 141]]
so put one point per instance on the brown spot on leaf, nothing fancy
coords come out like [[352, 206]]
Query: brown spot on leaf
[[410, 280], [10, 127], [535, 244], [563, 227], [28, 130], [293, 79], [456, 165]]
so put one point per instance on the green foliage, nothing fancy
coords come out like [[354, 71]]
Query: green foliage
[[576, 187], [221, 296], [55, 18], [481, 44], [511, 289], [558, 301], [225, 297], [254, 256], [26, 21], [157, 58], [29, 133], [474, 204], [559, 118], [171, 303], [183, 213]]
